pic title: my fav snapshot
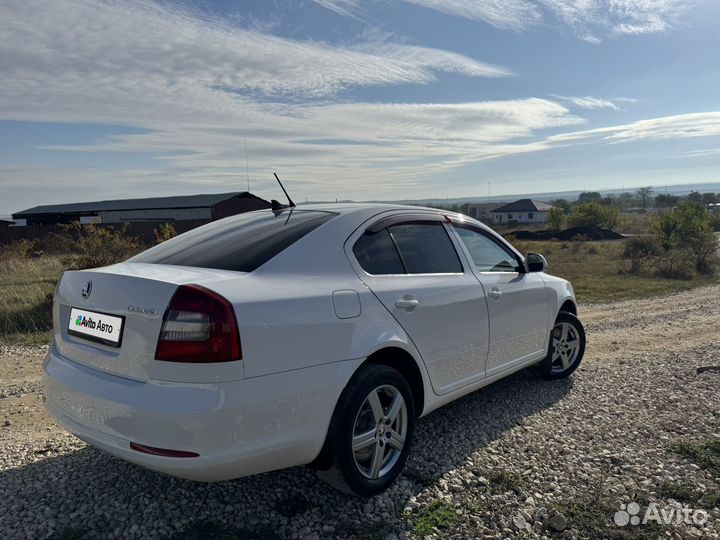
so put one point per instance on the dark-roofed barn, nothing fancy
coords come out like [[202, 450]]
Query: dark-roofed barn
[[198, 208]]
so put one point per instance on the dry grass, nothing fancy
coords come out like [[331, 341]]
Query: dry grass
[[594, 268], [596, 272], [26, 286]]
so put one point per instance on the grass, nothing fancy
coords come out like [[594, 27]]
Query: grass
[[27, 285], [592, 517], [678, 491], [438, 514], [595, 270], [502, 481], [704, 454]]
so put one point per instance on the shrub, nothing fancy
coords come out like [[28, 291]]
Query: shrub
[[95, 246], [22, 249], [715, 221], [676, 264], [594, 215], [689, 227], [556, 218], [639, 251], [165, 232]]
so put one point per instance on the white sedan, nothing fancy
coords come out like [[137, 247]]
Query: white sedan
[[299, 336]]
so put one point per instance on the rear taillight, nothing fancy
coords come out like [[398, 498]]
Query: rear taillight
[[199, 326]]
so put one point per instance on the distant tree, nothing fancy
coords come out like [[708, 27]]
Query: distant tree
[[694, 196], [594, 215], [625, 200], [665, 200], [643, 194], [561, 203], [608, 200], [556, 218], [709, 198], [588, 196]]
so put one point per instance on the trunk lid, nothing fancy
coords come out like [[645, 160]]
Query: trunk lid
[[139, 293]]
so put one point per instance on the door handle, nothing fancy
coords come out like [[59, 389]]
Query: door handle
[[407, 303], [495, 293]]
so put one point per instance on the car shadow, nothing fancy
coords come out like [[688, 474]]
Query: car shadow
[[87, 493]]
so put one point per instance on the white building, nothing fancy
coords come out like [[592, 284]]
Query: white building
[[525, 211]]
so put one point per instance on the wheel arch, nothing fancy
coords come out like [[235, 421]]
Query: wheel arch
[[405, 363], [396, 357], [569, 306]]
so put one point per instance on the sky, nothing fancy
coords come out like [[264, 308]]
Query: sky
[[354, 99]]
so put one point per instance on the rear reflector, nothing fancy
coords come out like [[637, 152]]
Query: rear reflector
[[199, 326], [164, 452]]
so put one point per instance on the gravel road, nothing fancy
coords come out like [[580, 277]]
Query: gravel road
[[522, 458]]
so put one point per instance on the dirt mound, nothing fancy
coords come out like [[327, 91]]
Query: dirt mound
[[573, 233]]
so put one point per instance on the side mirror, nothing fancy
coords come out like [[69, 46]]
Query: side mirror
[[535, 262]]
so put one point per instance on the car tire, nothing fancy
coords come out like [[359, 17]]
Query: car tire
[[566, 348], [371, 432]]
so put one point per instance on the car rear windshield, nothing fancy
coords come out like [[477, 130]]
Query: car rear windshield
[[240, 243]]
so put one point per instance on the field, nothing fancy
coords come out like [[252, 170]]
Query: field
[[25, 308], [594, 268]]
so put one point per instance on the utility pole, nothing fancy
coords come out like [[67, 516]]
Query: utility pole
[[247, 167]]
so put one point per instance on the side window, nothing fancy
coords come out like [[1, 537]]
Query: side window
[[377, 254], [426, 248], [486, 254]]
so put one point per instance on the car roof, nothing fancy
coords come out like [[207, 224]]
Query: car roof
[[366, 210], [345, 207]]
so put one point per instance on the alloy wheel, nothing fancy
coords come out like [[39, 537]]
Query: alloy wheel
[[565, 346], [380, 430]]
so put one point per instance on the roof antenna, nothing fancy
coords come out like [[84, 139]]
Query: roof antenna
[[278, 206]]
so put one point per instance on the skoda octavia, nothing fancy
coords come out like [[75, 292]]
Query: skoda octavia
[[299, 336]]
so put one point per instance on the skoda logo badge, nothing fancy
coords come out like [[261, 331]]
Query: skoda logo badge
[[87, 289]]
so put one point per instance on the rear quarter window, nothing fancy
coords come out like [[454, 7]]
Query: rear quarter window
[[377, 254], [241, 243]]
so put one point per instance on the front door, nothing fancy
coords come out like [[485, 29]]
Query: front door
[[517, 301]]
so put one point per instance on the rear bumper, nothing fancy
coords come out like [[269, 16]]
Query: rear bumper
[[238, 428]]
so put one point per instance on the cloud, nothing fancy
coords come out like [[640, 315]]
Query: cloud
[[341, 7], [629, 100], [436, 60], [702, 153], [591, 20], [682, 126], [170, 48], [513, 14], [588, 102], [352, 147], [618, 17], [198, 89]]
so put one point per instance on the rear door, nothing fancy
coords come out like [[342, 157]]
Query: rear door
[[517, 301], [412, 266]]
